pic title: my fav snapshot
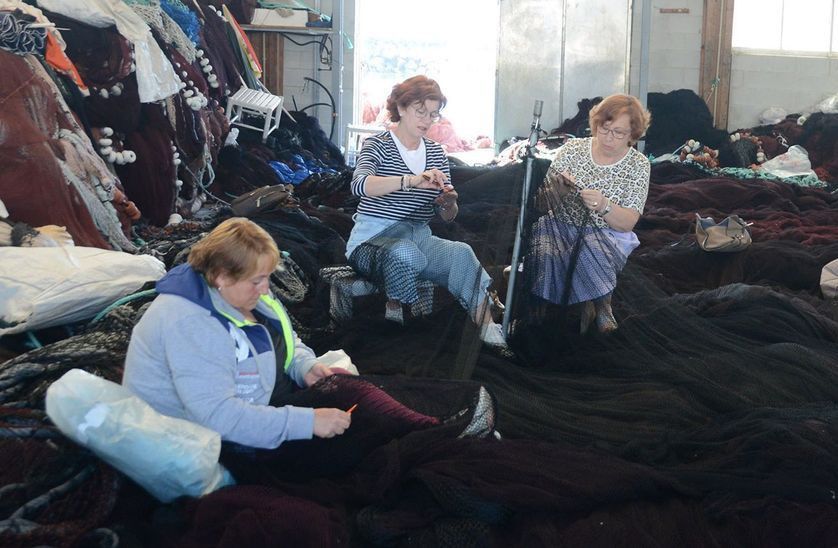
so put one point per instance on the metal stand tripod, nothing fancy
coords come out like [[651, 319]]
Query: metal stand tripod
[[529, 156]]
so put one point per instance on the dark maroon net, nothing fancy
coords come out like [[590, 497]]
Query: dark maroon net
[[53, 492]]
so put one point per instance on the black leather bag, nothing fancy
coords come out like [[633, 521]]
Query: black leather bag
[[263, 199]]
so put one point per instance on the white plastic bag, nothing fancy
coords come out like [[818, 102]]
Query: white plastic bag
[[168, 457], [829, 280], [792, 163], [828, 105], [773, 115], [339, 359]]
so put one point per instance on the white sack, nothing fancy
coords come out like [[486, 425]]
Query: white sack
[[46, 286], [829, 280], [168, 457]]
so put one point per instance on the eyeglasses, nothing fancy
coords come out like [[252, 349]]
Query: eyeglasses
[[619, 134], [422, 112]]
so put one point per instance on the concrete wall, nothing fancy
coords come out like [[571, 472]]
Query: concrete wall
[[303, 61], [674, 47], [526, 71], [757, 81], [793, 83]]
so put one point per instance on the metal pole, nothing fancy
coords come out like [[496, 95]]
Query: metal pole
[[645, 37], [338, 14], [516, 249], [535, 129]]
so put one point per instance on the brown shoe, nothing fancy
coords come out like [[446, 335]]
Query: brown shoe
[[587, 316], [393, 311], [605, 320]]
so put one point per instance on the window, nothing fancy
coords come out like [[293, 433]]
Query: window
[[454, 43], [809, 26]]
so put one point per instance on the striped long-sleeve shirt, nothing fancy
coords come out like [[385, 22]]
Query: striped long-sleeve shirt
[[380, 157]]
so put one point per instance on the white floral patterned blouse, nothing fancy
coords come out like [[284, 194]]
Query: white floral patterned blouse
[[625, 182]]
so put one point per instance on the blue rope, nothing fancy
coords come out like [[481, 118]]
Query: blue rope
[[184, 17], [33, 340], [18, 37], [123, 300]]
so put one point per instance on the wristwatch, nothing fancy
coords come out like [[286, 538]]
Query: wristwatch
[[606, 210]]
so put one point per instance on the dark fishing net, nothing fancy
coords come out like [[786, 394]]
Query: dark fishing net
[[387, 409], [701, 385], [99, 349], [707, 418], [678, 116], [740, 153], [54, 493]]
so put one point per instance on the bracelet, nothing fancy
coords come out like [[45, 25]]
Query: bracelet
[[402, 183], [407, 186], [607, 209]]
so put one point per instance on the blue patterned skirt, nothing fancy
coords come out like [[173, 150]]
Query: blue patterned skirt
[[567, 264]]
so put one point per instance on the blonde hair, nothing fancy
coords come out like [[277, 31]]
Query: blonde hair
[[614, 106], [233, 248]]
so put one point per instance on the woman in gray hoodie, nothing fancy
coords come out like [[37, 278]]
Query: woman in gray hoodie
[[215, 346]]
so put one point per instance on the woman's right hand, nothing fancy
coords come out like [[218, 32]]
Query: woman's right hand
[[433, 179], [330, 422], [564, 182], [556, 187]]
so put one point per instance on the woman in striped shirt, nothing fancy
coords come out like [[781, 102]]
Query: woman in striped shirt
[[402, 178]]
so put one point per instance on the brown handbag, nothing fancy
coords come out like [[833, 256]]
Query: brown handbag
[[263, 199], [729, 235]]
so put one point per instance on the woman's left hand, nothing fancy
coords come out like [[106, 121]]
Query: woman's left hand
[[592, 198], [319, 371], [447, 199]]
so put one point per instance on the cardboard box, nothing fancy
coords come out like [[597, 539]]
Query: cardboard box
[[280, 17]]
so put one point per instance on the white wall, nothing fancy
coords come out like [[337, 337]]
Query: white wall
[[303, 61], [793, 83], [528, 72], [596, 55], [674, 46], [757, 81]]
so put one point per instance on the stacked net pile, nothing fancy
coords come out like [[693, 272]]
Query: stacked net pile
[[53, 492], [706, 418]]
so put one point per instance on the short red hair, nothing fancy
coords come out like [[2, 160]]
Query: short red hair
[[416, 89], [616, 105]]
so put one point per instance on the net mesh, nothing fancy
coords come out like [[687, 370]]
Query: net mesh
[[53, 492], [706, 418]]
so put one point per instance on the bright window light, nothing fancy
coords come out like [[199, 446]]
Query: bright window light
[[835, 28], [453, 42], [757, 24], [805, 26]]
